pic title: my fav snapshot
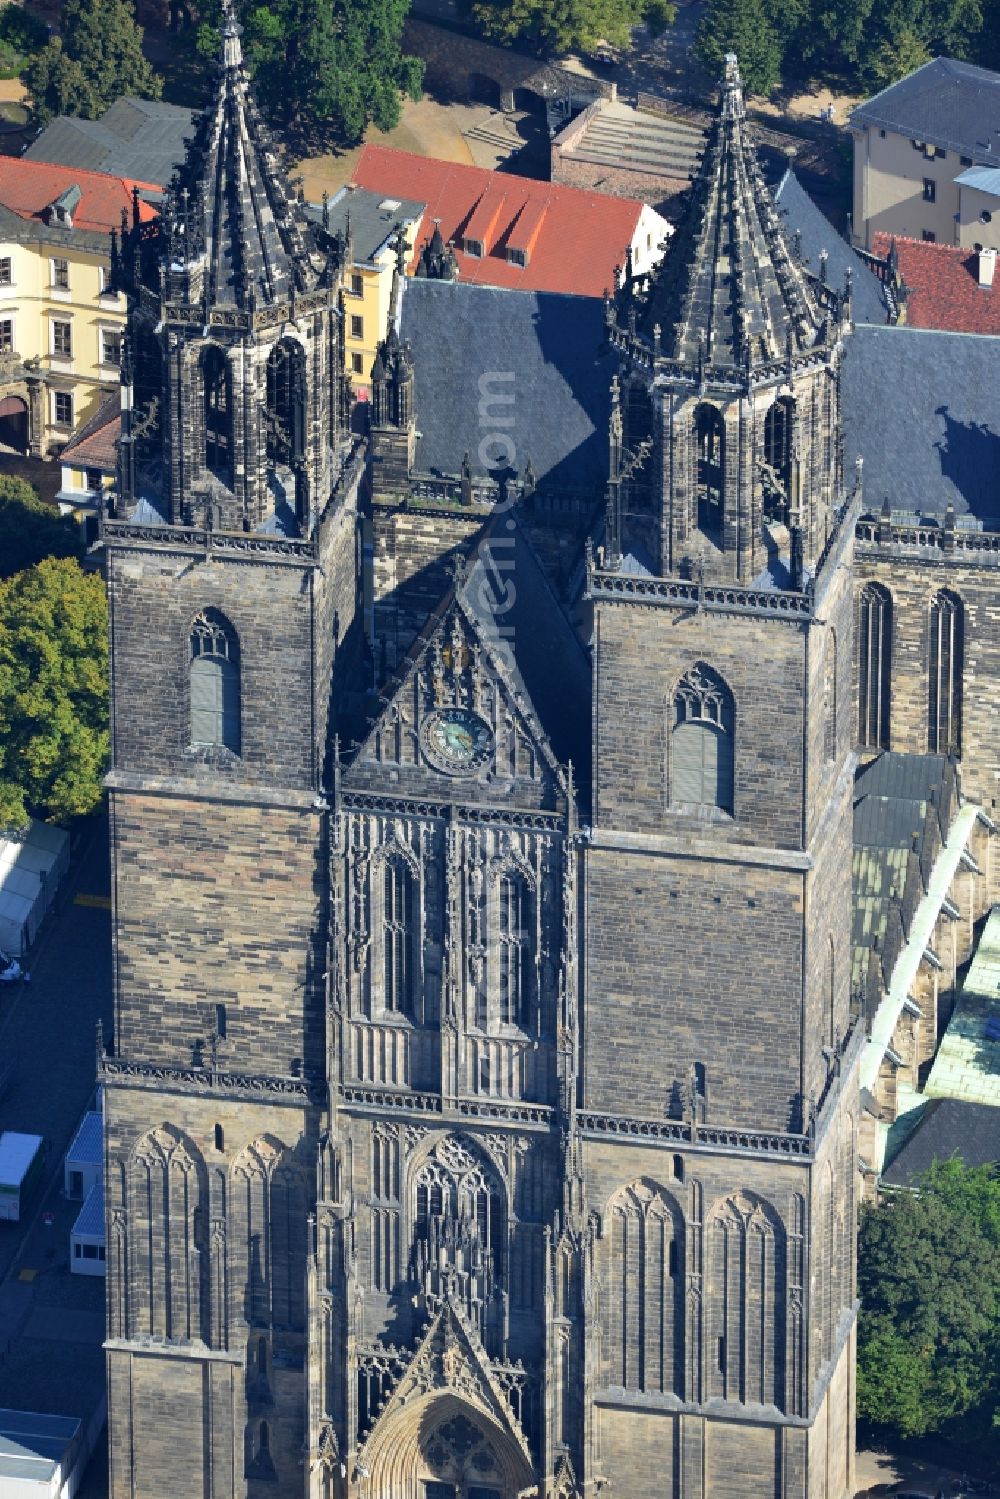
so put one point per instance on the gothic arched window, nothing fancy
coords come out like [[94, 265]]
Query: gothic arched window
[[218, 413], [701, 743], [777, 435], [397, 936], [874, 666], [514, 934], [454, 1190], [944, 735], [710, 435], [215, 682], [285, 402]]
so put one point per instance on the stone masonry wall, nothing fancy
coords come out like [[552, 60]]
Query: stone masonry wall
[[912, 580]]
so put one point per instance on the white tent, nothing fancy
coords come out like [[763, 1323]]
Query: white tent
[[30, 871]]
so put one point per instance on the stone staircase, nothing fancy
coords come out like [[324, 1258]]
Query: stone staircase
[[622, 137]]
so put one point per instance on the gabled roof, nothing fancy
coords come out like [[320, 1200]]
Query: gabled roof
[[536, 355], [921, 409], [967, 1064], [373, 219], [29, 188], [942, 285], [95, 445], [576, 239], [945, 1128], [515, 619], [811, 229], [134, 137], [728, 292], [946, 103]]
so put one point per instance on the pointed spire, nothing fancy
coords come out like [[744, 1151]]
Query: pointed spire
[[730, 290], [240, 228]]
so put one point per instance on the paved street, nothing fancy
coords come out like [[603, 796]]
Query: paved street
[[52, 1322]]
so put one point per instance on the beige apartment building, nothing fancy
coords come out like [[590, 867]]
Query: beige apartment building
[[927, 158], [60, 323]]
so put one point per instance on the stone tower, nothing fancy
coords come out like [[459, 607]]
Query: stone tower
[[718, 1088], [230, 553]]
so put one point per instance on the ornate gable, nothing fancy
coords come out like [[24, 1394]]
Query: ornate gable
[[459, 717], [449, 1360]]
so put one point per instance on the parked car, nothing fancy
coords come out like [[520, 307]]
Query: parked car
[[10, 968]]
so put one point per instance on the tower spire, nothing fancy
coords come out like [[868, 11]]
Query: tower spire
[[729, 283]]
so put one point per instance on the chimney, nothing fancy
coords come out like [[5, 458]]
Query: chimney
[[987, 265]]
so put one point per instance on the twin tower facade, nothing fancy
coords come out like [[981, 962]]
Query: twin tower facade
[[480, 1107]]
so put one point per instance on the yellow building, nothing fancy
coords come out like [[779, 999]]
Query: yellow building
[[60, 325], [372, 223]]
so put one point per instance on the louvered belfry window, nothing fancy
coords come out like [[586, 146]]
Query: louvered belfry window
[[514, 935], [397, 932], [945, 667], [874, 666], [215, 682], [701, 743]]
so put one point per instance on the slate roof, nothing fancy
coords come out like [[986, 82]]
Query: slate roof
[[728, 290], [946, 103], [373, 218], [134, 138], [574, 241], [946, 1127], [942, 285], [818, 234], [892, 773], [95, 445], [891, 796], [28, 188], [561, 382], [921, 409], [542, 652]]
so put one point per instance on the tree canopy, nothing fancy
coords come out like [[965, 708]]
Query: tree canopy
[[21, 34], [850, 43], [929, 1328], [325, 68], [551, 26], [95, 60], [53, 692], [743, 27], [30, 529]]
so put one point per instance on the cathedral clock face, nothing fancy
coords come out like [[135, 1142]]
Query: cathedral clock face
[[456, 740]]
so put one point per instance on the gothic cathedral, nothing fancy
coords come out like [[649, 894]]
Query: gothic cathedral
[[480, 1108]]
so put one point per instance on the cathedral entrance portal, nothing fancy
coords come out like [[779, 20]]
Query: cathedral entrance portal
[[445, 1449]]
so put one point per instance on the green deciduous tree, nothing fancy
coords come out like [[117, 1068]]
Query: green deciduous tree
[[743, 27], [53, 692], [567, 25], [96, 59], [929, 1278], [31, 530], [325, 68], [21, 34]]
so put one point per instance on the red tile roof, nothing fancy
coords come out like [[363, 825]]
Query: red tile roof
[[29, 187], [942, 286], [95, 445], [573, 239]]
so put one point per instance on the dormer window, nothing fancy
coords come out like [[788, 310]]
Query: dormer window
[[516, 256], [61, 211], [474, 247]]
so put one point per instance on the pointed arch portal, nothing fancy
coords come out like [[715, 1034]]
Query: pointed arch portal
[[440, 1446]]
